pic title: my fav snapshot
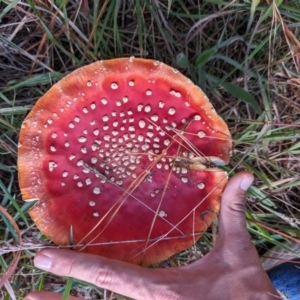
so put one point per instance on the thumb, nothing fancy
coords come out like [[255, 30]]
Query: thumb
[[232, 221]]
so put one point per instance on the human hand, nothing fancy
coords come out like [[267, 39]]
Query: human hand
[[231, 270]]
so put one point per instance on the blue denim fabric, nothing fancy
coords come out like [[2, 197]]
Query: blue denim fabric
[[286, 279]]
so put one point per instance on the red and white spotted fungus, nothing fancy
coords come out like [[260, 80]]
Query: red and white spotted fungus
[[123, 153]]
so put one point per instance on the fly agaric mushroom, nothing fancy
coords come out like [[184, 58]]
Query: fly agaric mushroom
[[123, 154]]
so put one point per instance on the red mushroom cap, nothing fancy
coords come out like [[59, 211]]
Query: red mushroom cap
[[123, 153]]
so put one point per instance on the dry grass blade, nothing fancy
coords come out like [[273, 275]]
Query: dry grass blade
[[277, 255], [291, 39], [14, 263]]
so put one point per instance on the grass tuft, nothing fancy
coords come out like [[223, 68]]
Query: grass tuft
[[243, 54]]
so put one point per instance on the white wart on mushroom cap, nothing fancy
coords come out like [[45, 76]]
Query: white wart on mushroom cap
[[117, 151]]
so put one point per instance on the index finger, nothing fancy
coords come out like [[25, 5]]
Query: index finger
[[47, 296], [118, 276]]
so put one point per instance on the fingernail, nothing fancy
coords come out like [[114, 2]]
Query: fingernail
[[246, 182], [43, 262]]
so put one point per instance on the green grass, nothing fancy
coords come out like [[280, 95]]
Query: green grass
[[243, 54]]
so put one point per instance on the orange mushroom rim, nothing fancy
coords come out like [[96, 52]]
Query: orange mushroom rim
[[124, 153]]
